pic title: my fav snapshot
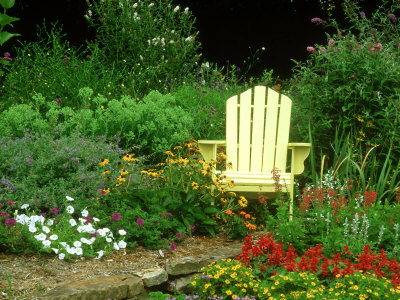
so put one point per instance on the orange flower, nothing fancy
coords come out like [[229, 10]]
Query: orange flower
[[247, 216], [277, 87], [242, 213], [220, 75], [229, 212]]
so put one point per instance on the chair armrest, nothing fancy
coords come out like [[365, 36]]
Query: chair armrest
[[300, 152], [208, 148]]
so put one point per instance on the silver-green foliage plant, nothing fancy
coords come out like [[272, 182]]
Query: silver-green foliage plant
[[151, 40], [352, 81]]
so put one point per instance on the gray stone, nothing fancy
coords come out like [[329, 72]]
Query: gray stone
[[117, 286], [191, 264], [154, 277]]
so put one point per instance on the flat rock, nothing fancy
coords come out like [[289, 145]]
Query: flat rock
[[154, 277], [111, 287], [192, 264]]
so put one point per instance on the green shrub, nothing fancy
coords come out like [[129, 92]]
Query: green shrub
[[351, 83], [153, 40], [41, 169]]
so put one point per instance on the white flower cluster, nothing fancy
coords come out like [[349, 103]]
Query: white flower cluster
[[39, 223]]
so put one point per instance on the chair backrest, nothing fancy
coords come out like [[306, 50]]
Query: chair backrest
[[257, 130]]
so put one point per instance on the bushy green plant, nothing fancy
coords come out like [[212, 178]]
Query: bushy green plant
[[56, 70], [43, 168], [352, 82], [154, 40]]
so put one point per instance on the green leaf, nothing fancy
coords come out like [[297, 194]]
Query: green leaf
[[5, 20], [7, 3], [5, 36], [211, 210]]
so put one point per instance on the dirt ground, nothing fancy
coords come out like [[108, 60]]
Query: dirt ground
[[28, 274]]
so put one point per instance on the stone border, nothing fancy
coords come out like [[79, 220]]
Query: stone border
[[137, 286]]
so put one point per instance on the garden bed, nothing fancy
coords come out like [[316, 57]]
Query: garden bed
[[28, 273]]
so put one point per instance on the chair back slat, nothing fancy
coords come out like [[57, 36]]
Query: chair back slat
[[283, 133], [257, 136], [232, 131], [244, 131], [271, 123]]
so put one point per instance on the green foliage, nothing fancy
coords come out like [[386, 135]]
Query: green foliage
[[351, 82], [153, 40], [56, 70], [43, 168]]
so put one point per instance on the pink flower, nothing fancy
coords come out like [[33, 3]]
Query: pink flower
[[193, 227], [169, 214], [362, 15], [11, 203], [310, 49], [162, 216], [3, 214], [116, 216], [9, 222], [178, 235], [88, 220], [43, 214], [140, 221], [317, 20], [323, 48], [331, 41], [54, 211], [172, 246], [393, 18]]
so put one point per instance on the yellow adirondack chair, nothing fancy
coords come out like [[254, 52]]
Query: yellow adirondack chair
[[257, 135]]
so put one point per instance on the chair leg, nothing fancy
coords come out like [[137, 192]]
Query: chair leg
[[291, 201]]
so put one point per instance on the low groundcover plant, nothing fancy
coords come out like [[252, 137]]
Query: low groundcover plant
[[62, 233]]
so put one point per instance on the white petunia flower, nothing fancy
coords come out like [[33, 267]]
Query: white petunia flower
[[71, 250], [92, 239], [64, 244], [55, 250], [22, 219], [85, 213], [101, 253], [72, 222], [70, 210], [61, 256], [122, 244], [69, 198], [53, 237], [24, 206], [77, 244], [85, 240], [176, 9], [46, 243], [108, 240], [116, 247], [95, 220], [122, 232], [101, 232], [106, 229], [49, 222], [40, 237], [79, 251], [46, 229]]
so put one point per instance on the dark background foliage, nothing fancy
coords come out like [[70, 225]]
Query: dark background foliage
[[227, 27]]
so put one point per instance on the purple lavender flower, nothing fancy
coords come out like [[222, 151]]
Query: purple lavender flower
[[317, 20], [66, 57], [393, 18], [58, 100]]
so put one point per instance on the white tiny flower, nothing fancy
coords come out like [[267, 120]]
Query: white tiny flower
[[122, 232], [176, 9], [46, 229], [95, 220], [85, 213], [72, 222], [149, 42], [89, 13], [53, 237], [151, 4], [55, 250], [71, 250], [172, 31], [188, 39], [77, 244], [70, 209], [69, 198], [141, 57], [101, 253], [116, 247], [24, 206], [79, 251], [46, 243], [40, 237], [49, 222], [163, 41], [186, 10], [122, 244], [109, 240], [134, 5], [61, 256]]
